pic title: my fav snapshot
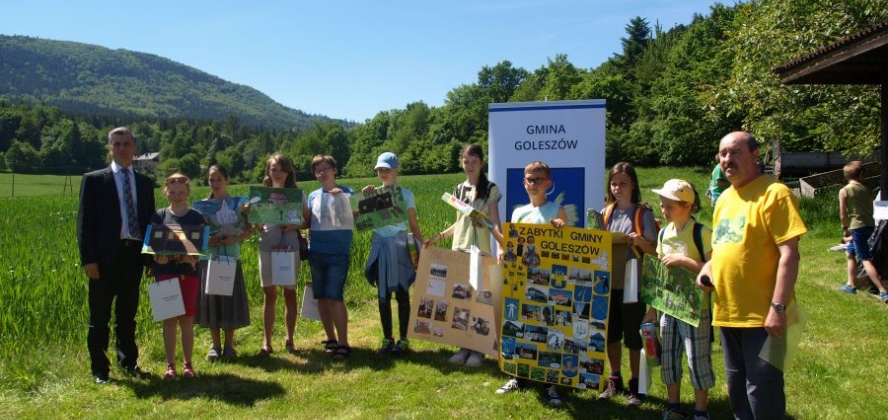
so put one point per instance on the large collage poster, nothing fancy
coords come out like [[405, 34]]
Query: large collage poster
[[556, 293], [447, 308]]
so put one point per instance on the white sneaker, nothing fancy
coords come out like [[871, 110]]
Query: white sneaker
[[460, 357], [510, 386], [475, 359]]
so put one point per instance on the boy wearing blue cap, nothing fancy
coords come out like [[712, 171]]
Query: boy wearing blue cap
[[390, 266]]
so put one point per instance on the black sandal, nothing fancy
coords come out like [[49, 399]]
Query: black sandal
[[330, 346], [290, 347], [265, 351], [341, 352]]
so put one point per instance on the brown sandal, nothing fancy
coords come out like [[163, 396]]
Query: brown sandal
[[290, 347], [265, 351]]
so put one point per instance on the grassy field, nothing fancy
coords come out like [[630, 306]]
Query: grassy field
[[44, 365], [21, 185]]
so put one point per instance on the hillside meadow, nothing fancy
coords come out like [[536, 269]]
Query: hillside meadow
[[44, 364]]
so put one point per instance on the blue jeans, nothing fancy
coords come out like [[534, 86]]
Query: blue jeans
[[328, 274], [755, 387]]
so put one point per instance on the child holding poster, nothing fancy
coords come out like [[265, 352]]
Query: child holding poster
[[279, 173], [624, 213], [393, 260], [537, 180], [483, 195], [218, 312], [678, 246], [177, 188]]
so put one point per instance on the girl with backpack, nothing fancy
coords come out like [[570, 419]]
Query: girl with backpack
[[624, 213]]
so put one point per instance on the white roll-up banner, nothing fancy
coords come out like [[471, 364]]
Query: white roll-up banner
[[569, 136]]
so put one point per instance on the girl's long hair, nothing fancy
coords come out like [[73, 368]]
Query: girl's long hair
[[482, 190], [628, 169], [286, 165], [221, 170]]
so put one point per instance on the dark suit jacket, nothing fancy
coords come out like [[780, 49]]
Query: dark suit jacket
[[99, 220]]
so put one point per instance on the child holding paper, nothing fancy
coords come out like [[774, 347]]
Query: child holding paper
[[537, 180], [218, 312], [483, 195], [391, 267], [332, 227], [279, 173], [624, 213], [678, 247], [184, 267]]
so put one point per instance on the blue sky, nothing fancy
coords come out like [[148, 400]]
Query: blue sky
[[349, 59]]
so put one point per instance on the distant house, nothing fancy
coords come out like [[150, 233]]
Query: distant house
[[146, 162]]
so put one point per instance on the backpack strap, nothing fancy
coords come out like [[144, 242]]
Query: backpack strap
[[608, 212], [698, 240], [637, 222]]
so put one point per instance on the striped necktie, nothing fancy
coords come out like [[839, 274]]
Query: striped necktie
[[131, 216]]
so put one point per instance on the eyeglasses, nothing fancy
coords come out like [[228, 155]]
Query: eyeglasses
[[177, 180], [320, 171], [535, 181]]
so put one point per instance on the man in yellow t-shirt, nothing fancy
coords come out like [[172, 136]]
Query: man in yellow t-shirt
[[754, 266]]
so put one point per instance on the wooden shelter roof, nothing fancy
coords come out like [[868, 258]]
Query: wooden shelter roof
[[861, 58]]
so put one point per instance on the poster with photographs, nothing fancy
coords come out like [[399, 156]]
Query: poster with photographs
[[555, 300], [225, 216], [175, 239], [672, 290], [382, 207], [446, 308], [275, 206]]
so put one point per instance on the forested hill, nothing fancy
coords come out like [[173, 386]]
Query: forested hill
[[88, 79]]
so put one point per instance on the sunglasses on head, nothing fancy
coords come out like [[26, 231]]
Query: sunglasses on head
[[535, 181], [177, 180]]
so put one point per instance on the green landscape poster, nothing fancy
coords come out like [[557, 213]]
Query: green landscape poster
[[275, 206], [672, 290], [382, 207]]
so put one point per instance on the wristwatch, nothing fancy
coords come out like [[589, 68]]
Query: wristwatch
[[778, 307]]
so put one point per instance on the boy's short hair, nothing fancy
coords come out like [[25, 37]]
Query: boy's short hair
[[538, 166], [853, 170], [319, 159]]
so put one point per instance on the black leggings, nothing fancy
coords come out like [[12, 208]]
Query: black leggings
[[385, 313]]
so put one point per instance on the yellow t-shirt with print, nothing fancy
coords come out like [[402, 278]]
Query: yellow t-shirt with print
[[748, 224]]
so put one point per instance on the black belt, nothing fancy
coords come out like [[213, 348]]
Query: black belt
[[130, 243]]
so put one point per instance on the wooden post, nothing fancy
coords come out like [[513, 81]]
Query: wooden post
[[777, 157], [884, 162]]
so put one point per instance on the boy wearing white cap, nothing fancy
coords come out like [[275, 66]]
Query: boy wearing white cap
[[684, 243]]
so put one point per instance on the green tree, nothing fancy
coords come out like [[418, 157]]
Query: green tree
[[801, 117], [22, 158]]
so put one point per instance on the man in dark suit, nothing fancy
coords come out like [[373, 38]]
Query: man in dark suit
[[116, 204]]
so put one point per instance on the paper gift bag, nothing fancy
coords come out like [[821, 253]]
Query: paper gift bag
[[220, 276], [166, 299], [283, 267], [475, 273], [630, 288], [310, 304], [645, 378]]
